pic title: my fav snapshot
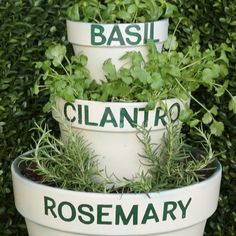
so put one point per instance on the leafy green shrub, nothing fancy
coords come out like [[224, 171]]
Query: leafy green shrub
[[27, 28], [214, 22]]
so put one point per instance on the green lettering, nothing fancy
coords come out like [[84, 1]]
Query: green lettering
[[66, 106], [151, 30], [158, 117], [101, 213], [120, 215], [116, 31], [150, 213], [145, 32], [175, 106], [108, 117], [86, 120], [169, 211], [129, 32], [80, 114], [152, 33], [125, 115], [184, 208], [86, 210], [145, 117], [71, 208], [97, 37], [49, 205]]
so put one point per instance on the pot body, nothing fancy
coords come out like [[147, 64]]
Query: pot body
[[100, 42], [111, 129], [51, 211]]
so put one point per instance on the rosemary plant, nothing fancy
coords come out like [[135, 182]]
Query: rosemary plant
[[73, 165], [173, 163], [70, 165]]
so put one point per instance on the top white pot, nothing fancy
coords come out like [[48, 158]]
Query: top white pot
[[100, 42]]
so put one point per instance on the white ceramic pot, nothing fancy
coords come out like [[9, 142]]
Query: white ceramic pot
[[51, 211], [100, 42], [111, 130]]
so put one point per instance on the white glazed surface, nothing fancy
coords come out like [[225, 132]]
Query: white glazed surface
[[118, 148], [98, 54]]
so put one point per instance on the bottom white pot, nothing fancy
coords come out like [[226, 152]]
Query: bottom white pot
[[51, 211]]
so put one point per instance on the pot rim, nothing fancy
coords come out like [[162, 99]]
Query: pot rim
[[123, 24], [122, 103], [15, 170], [204, 194]]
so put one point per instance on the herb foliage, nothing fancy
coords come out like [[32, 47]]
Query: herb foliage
[[173, 162], [164, 75], [73, 164], [121, 11], [69, 165]]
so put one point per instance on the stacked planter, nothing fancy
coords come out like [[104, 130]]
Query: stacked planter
[[111, 130], [111, 127]]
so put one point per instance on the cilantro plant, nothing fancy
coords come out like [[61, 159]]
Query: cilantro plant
[[68, 81], [120, 11], [161, 76]]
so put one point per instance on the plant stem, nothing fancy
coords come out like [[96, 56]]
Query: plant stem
[[191, 96]]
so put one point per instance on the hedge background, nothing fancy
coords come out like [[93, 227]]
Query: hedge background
[[27, 27]]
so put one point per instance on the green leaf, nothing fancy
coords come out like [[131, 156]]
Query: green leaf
[[151, 104], [174, 71], [68, 94], [79, 59], [207, 118], [224, 70], [221, 89], [125, 76], [232, 104], [124, 15], [171, 43], [36, 89], [214, 110], [73, 12], [47, 107], [186, 114], [224, 57], [171, 10], [60, 85], [56, 53], [132, 9], [194, 123], [217, 128], [110, 70], [208, 75], [38, 65], [46, 65], [127, 79], [140, 74], [156, 81]]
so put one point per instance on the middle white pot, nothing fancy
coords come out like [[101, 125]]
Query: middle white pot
[[111, 130]]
